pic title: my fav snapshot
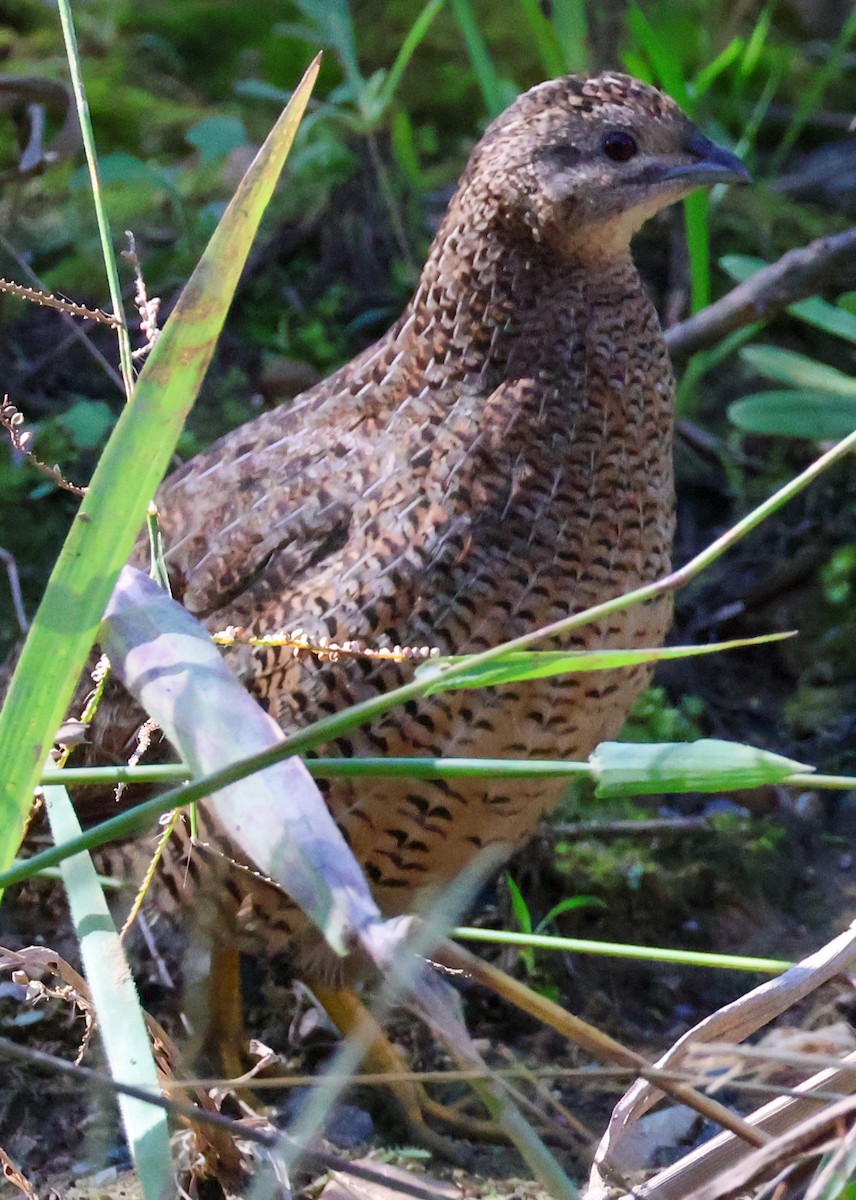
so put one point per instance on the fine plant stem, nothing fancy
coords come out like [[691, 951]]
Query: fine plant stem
[[689, 958], [334, 768], [384, 768], [417, 32], [70, 37]]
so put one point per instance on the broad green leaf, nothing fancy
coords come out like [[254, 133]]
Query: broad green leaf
[[87, 422], [278, 818], [829, 318], [798, 370], [128, 171], [215, 137], [120, 1017], [819, 416], [709, 765], [128, 472], [540, 664]]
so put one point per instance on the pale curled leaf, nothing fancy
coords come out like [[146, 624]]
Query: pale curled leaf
[[708, 765], [734, 1022], [277, 817], [539, 664]]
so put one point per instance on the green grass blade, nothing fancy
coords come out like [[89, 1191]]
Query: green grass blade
[[541, 664], [417, 32], [571, 24], [129, 470], [493, 89], [666, 64], [821, 77], [114, 994], [544, 37], [708, 75], [696, 215], [688, 958]]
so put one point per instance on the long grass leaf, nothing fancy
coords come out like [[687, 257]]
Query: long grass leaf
[[125, 478], [708, 765], [493, 90], [114, 994]]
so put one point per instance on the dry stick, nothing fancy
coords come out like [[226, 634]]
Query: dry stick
[[600, 1044], [75, 331], [650, 828], [797, 275], [248, 1132], [48, 300]]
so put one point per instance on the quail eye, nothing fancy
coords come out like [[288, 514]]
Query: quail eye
[[619, 145]]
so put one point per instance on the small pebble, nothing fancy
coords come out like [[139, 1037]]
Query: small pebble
[[349, 1127]]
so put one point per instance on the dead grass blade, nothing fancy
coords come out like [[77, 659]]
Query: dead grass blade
[[779, 1118]]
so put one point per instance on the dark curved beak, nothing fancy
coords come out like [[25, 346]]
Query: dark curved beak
[[708, 164]]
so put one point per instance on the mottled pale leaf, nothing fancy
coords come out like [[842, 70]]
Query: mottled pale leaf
[[277, 817], [114, 994]]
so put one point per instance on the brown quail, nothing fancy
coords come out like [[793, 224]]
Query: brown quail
[[499, 459]]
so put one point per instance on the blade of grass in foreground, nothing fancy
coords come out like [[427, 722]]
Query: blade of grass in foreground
[[128, 472], [120, 1017]]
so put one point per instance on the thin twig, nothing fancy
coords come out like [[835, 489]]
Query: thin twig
[[46, 300], [652, 828], [795, 276], [249, 1132], [8, 560], [76, 332]]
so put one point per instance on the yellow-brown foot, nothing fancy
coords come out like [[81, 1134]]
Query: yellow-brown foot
[[225, 1040], [416, 1108]]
